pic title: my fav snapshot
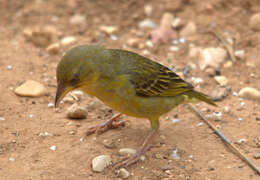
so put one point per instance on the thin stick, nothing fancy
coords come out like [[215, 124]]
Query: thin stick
[[226, 140], [226, 44]]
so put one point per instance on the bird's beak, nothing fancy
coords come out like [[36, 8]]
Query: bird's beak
[[60, 93]]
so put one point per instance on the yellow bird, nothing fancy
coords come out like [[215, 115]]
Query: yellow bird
[[127, 82]]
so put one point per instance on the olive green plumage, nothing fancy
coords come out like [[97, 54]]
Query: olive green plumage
[[130, 83]]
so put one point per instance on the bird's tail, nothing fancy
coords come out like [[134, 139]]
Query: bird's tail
[[200, 96]]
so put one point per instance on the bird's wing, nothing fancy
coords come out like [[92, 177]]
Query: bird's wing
[[154, 79]]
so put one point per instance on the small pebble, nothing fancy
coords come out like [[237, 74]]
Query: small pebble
[[257, 155], [53, 148], [189, 29], [99, 163], [2, 119], [147, 23], [240, 119], [175, 155], [220, 93], [123, 173], [77, 19], [249, 93], [50, 105], [30, 115], [175, 120], [11, 159], [113, 37], [127, 151], [76, 112], [221, 80], [68, 40], [9, 67], [53, 48], [200, 124], [108, 29], [240, 54]]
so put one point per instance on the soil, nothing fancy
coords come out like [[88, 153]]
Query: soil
[[24, 154]]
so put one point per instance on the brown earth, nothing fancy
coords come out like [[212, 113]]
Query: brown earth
[[26, 155]]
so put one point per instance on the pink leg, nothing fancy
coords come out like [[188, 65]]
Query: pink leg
[[133, 159], [109, 124]]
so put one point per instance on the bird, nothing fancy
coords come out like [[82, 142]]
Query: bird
[[128, 83]]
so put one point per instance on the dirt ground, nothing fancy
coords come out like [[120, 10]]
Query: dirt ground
[[25, 154]]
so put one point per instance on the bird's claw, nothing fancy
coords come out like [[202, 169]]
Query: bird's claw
[[99, 129]]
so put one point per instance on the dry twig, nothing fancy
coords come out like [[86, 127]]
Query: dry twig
[[226, 140]]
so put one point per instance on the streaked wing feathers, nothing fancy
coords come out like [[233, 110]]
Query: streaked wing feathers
[[153, 79]]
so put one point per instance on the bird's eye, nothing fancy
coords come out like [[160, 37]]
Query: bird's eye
[[74, 81]]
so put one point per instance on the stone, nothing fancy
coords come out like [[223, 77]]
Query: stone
[[68, 40], [30, 88], [41, 36], [221, 80], [99, 163], [148, 9], [174, 155], [240, 54], [254, 22], [189, 30], [108, 29], [123, 173], [77, 19], [76, 112], [220, 93], [147, 23], [127, 151], [133, 42], [212, 57], [249, 93], [166, 20], [210, 72], [176, 23], [53, 48], [257, 155]]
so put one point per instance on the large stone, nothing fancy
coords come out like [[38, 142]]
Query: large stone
[[212, 57], [99, 163], [31, 89]]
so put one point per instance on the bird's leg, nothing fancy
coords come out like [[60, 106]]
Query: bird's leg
[[109, 124], [127, 161], [145, 146]]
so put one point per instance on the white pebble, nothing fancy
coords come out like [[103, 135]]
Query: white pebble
[[30, 115], [182, 40], [249, 93], [99, 163], [2, 118], [123, 173], [9, 67], [50, 105], [53, 148], [113, 37], [11, 159], [176, 120], [127, 151], [174, 48], [200, 124]]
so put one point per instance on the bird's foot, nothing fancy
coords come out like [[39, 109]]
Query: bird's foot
[[109, 124], [127, 161]]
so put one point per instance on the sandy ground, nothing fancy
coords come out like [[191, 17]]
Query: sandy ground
[[26, 155]]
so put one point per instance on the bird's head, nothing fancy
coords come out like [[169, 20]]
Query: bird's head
[[74, 70]]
